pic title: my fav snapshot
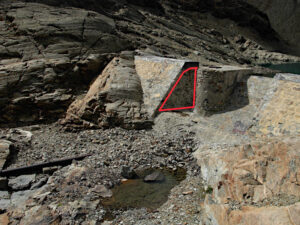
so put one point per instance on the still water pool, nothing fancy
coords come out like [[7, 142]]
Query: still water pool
[[285, 68], [135, 193]]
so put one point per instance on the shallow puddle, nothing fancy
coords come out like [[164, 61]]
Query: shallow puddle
[[138, 194]]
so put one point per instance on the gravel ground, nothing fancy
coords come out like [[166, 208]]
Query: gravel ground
[[110, 150]]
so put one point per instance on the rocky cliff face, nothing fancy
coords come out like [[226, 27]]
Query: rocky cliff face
[[49, 53], [284, 18], [98, 64]]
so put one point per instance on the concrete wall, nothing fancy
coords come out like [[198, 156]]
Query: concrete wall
[[215, 85]]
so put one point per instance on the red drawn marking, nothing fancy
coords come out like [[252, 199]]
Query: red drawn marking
[[194, 95]]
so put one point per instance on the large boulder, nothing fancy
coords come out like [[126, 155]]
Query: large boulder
[[114, 99]]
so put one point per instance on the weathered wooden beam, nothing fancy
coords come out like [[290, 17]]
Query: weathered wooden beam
[[38, 168]]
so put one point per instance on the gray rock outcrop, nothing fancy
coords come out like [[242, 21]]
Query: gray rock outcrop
[[114, 99]]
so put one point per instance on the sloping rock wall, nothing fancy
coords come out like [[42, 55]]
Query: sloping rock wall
[[114, 99], [45, 52]]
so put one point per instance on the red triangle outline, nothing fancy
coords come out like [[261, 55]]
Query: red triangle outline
[[194, 94]]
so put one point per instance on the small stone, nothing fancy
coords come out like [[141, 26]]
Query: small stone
[[50, 170], [124, 181], [39, 184], [128, 173], [20, 135], [154, 177], [187, 192], [21, 182], [102, 191], [35, 127]]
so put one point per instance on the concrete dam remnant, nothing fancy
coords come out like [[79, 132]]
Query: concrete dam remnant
[[158, 75], [214, 84]]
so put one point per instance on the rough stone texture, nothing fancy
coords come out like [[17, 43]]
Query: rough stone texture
[[158, 76], [40, 215], [254, 174], [280, 115], [102, 191], [114, 99], [44, 53], [229, 126], [4, 219], [5, 147], [288, 77], [21, 182], [4, 201], [215, 85], [222, 214], [4, 195]]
